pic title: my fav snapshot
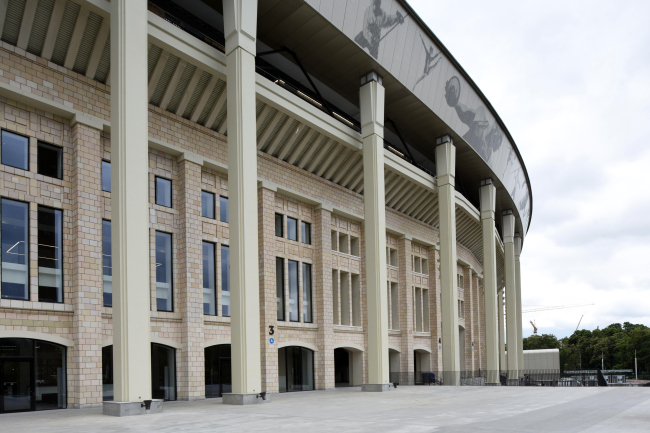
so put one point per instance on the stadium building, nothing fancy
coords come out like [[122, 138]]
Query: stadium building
[[207, 198]]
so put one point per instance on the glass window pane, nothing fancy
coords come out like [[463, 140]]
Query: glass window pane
[[15, 249], [163, 372], [164, 285], [10, 347], [50, 383], [207, 204], [306, 233], [307, 369], [293, 291], [279, 284], [106, 176], [306, 292], [15, 150], [163, 192], [50, 160], [223, 209], [225, 281], [50, 255], [218, 371], [107, 263], [107, 373], [209, 298], [292, 229], [279, 230]]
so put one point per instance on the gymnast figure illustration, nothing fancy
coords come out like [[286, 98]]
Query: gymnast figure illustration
[[375, 19], [430, 62]]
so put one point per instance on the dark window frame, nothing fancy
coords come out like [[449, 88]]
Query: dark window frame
[[62, 255], [53, 147], [3, 130], [302, 232], [171, 252], [29, 234], [284, 301], [214, 206], [171, 192], [214, 268], [297, 230], [281, 235], [110, 174]]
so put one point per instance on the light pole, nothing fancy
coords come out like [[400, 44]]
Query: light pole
[[636, 374], [602, 360]]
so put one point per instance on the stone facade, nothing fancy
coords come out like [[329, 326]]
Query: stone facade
[[338, 274]]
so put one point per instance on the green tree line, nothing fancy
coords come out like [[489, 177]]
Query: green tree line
[[615, 344]]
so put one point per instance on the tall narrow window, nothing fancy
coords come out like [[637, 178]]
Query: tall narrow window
[[163, 192], [225, 281], [107, 263], [207, 204], [356, 300], [15, 249], [15, 150], [223, 209], [50, 160], [418, 309], [306, 233], [279, 286], [292, 229], [164, 285], [394, 303], [294, 314], [209, 292], [335, 297], [50, 255], [279, 229], [306, 293], [106, 176], [345, 298], [425, 310]]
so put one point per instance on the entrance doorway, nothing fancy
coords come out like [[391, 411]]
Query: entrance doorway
[[341, 368], [296, 369], [218, 371], [32, 375]]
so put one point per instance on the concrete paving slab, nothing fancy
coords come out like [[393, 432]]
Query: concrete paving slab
[[405, 409]]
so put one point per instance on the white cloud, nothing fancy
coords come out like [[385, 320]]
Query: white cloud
[[571, 81]]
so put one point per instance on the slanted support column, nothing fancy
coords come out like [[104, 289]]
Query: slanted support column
[[130, 209], [371, 98], [511, 293], [520, 342], [488, 203], [240, 22], [446, 173]]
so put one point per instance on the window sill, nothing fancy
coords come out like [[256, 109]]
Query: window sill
[[166, 315], [161, 208], [296, 325], [348, 328], [420, 273], [34, 305], [346, 254], [394, 332], [216, 319], [421, 334]]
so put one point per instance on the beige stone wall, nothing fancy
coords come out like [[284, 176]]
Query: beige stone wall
[[82, 318]]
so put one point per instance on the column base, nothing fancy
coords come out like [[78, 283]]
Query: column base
[[492, 384], [376, 387], [245, 399], [128, 408]]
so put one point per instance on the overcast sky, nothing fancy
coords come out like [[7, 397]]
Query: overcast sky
[[571, 81]]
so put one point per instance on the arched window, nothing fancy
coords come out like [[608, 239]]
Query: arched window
[[32, 375], [218, 372]]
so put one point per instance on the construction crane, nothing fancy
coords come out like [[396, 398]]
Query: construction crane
[[557, 307], [534, 327]]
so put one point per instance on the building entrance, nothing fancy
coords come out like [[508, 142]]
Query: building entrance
[[32, 375], [341, 368], [296, 369], [218, 371]]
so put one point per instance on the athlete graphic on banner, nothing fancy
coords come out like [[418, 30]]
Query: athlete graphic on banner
[[375, 19], [430, 62]]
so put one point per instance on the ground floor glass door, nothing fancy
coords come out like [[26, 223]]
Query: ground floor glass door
[[218, 371], [296, 369], [16, 377]]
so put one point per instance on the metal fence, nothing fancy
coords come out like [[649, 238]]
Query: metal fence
[[497, 378]]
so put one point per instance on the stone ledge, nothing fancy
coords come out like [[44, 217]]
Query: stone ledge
[[245, 399], [128, 408], [376, 387]]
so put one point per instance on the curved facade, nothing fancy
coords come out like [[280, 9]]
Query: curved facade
[[306, 226]]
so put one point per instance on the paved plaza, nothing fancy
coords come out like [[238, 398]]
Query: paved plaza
[[406, 409]]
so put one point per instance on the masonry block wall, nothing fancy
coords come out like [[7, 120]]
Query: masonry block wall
[[337, 270]]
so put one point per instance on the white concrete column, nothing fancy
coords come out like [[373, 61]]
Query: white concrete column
[[511, 293], [520, 347], [129, 202], [446, 174], [240, 24], [371, 100], [488, 204], [503, 361]]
